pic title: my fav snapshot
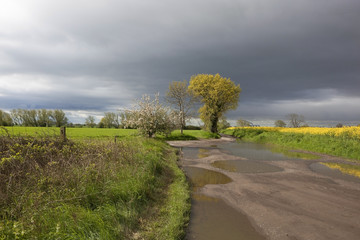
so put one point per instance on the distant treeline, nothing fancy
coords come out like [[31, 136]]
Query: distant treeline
[[54, 118], [57, 118], [33, 118]]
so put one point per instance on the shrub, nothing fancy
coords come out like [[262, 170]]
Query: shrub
[[191, 127]]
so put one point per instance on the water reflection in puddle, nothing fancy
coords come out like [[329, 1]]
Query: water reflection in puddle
[[199, 177], [195, 153], [246, 166], [203, 153], [211, 218], [262, 152], [292, 154]]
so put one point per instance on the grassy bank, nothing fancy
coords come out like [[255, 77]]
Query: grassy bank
[[50, 189], [341, 142]]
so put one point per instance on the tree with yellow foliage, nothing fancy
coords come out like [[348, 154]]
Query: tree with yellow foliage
[[218, 95]]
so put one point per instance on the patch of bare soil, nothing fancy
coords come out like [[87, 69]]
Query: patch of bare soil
[[296, 203]]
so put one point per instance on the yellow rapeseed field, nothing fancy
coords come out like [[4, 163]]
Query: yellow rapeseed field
[[350, 132], [353, 132]]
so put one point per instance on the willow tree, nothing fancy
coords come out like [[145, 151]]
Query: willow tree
[[59, 118], [218, 95]]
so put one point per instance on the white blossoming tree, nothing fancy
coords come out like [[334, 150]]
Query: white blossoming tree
[[149, 116]]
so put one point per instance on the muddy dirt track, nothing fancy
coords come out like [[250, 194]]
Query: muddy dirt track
[[295, 203]]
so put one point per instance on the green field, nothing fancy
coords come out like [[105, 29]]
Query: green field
[[100, 133], [72, 133], [90, 187]]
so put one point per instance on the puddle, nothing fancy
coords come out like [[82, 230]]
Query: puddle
[[262, 152], [246, 166], [195, 153], [203, 153], [299, 155], [293, 154], [189, 152], [334, 173], [213, 219], [199, 177]]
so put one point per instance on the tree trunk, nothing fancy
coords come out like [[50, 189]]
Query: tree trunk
[[182, 125], [182, 120], [214, 120]]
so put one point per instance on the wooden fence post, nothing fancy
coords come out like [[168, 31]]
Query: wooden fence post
[[63, 133]]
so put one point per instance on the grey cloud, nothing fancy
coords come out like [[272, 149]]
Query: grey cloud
[[115, 51]]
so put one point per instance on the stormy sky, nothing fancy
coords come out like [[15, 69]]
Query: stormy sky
[[88, 57]]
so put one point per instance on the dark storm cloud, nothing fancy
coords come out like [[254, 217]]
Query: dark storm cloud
[[100, 55]]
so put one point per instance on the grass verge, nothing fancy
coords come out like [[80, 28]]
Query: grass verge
[[169, 220], [51, 189]]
